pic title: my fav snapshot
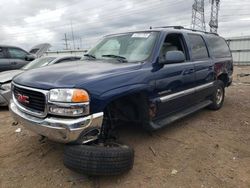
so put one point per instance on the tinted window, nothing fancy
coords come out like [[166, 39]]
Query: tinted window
[[199, 49], [16, 53], [218, 47], [1, 53]]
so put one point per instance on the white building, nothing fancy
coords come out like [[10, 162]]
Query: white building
[[240, 48]]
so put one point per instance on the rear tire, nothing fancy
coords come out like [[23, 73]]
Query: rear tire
[[218, 96], [111, 159]]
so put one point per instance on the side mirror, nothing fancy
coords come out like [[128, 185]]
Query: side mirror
[[174, 57], [30, 57]]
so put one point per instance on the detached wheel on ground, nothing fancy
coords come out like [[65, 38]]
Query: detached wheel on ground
[[218, 96], [107, 159]]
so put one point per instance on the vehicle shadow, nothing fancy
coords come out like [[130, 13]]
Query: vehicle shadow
[[4, 108], [134, 130], [149, 146]]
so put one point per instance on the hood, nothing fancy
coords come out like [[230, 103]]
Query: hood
[[40, 49], [74, 74], [7, 76]]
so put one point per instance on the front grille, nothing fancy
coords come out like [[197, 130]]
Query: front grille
[[35, 102]]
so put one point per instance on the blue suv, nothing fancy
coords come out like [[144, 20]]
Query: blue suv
[[152, 77]]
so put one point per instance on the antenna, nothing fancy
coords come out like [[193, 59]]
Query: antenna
[[198, 18], [215, 5]]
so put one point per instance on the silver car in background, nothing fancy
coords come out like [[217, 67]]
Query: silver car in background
[[7, 76]]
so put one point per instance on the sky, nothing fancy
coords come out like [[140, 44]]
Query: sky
[[25, 23]]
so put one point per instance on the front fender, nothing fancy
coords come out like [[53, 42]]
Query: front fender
[[99, 104]]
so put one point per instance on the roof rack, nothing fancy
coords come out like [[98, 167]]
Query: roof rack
[[181, 27], [172, 26]]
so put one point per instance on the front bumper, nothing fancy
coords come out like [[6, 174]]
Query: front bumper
[[5, 97], [64, 130]]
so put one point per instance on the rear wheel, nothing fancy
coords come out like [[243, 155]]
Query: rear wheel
[[218, 96]]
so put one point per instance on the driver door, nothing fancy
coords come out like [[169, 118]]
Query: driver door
[[175, 81]]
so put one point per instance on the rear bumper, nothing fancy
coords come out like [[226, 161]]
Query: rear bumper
[[59, 129]]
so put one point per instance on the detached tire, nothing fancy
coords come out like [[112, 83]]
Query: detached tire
[[218, 96], [111, 159]]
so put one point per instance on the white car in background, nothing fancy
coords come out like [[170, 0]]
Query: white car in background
[[7, 76]]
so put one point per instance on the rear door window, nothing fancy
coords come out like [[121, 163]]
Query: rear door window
[[218, 47], [198, 47]]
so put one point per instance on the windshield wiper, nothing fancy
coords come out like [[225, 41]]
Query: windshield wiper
[[89, 55], [121, 58]]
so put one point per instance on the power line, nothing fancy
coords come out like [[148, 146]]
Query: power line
[[80, 13], [83, 9], [133, 12], [107, 5], [109, 16]]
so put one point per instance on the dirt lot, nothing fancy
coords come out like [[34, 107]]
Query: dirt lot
[[207, 149]]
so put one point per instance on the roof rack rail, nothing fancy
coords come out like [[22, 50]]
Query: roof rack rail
[[171, 26], [195, 30], [181, 27]]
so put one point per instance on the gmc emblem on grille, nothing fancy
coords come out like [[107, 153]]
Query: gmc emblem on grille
[[23, 99]]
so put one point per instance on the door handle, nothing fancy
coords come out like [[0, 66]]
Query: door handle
[[14, 63], [188, 71], [191, 70]]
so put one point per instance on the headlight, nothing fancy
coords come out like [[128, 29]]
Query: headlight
[[68, 102], [6, 86], [68, 95]]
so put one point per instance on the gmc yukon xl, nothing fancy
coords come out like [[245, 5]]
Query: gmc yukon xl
[[152, 77]]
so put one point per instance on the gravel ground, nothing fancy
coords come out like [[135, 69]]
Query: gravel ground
[[206, 149]]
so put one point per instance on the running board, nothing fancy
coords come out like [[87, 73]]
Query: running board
[[172, 118]]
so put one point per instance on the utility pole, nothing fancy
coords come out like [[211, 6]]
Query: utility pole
[[215, 5], [80, 42], [198, 18], [66, 41], [72, 33]]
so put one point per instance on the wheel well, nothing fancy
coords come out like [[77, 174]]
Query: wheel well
[[224, 78], [129, 108]]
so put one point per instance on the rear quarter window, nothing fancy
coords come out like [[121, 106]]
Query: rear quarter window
[[218, 47], [198, 47]]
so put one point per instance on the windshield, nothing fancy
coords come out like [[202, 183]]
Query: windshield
[[131, 47], [40, 62]]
